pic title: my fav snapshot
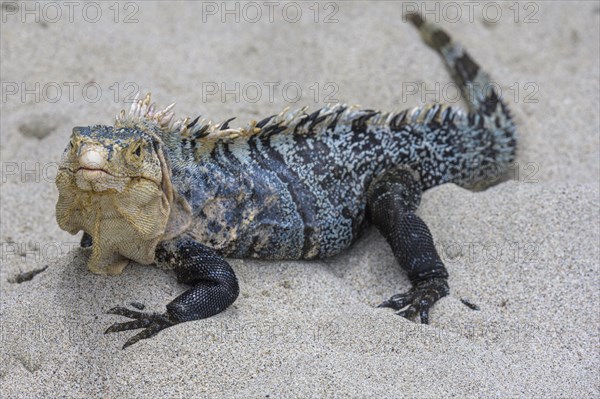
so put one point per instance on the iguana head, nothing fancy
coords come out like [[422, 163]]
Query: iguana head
[[114, 183], [104, 158]]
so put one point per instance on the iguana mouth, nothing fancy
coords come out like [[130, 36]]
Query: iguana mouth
[[90, 174], [96, 174], [97, 170]]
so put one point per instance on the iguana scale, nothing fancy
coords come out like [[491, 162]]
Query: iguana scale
[[185, 194]]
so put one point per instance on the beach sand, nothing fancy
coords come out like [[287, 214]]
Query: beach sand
[[525, 251]]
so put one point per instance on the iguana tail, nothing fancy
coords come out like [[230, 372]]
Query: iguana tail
[[477, 88]]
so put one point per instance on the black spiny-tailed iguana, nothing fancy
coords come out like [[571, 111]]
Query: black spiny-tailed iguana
[[185, 194]]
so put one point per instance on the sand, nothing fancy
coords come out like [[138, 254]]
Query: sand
[[525, 251]]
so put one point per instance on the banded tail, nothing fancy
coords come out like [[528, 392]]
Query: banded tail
[[485, 105]]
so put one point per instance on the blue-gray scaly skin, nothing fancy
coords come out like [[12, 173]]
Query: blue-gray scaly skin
[[303, 195], [306, 185]]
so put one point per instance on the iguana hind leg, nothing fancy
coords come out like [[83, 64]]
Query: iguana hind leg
[[214, 287], [392, 201]]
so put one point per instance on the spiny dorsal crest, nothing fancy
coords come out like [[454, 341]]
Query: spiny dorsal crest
[[142, 112]]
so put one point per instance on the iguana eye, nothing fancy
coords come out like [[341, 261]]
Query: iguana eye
[[136, 149]]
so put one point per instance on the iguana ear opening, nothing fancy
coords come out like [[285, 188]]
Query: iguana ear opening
[[180, 212]]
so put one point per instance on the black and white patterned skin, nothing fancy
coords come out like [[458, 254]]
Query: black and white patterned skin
[[305, 186]]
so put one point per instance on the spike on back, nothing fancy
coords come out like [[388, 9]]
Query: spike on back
[[142, 110], [298, 121]]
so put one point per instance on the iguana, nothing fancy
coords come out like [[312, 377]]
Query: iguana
[[185, 194]]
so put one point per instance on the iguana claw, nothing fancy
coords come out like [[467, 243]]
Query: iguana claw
[[152, 323], [419, 299]]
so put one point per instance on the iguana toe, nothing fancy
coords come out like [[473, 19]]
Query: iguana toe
[[152, 323], [419, 300]]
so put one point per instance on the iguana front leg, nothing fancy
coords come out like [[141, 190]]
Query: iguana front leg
[[392, 200], [214, 288]]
